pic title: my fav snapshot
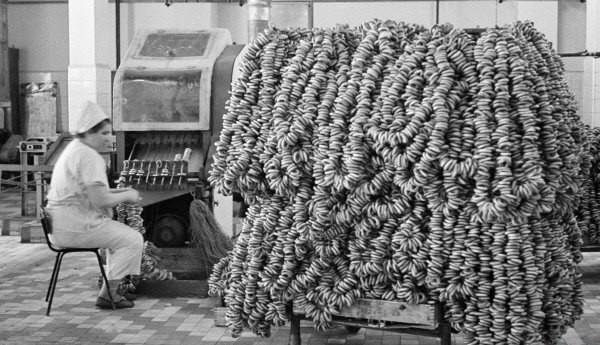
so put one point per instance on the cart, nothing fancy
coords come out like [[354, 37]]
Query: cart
[[419, 319]]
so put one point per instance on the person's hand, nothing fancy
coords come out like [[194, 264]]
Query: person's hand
[[134, 196], [119, 190]]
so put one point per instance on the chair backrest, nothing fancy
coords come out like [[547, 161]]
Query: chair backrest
[[47, 227]]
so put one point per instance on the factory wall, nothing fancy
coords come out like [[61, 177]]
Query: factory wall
[[571, 39], [591, 66], [461, 13], [40, 31], [192, 16]]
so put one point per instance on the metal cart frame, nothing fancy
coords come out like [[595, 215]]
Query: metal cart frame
[[418, 319]]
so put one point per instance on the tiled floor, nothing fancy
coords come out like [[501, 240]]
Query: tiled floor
[[25, 270]]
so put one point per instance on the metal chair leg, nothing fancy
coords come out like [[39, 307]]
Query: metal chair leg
[[112, 302], [54, 281], [52, 277]]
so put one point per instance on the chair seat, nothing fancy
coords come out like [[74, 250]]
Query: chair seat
[[73, 250]]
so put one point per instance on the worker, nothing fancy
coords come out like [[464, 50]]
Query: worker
[[80, 204]]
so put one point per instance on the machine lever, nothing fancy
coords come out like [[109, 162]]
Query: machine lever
[[156, 174], [140, 172], [176, 160], [149, 171], [133, 170], [185, 160], [164, 173]]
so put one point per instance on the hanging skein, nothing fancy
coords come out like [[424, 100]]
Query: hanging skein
[[206, 234]]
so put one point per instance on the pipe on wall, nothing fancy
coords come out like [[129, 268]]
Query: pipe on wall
[[259, 12], [118, 31]]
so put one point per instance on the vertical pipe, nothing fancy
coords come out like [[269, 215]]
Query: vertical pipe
[[118, 30], [311, 14], [437, 11], [594, 85], [258, 17]]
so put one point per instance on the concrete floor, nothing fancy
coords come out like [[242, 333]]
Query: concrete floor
[[25, 270]]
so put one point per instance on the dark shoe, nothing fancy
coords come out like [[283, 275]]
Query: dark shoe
[[130, 296], [104, 303]]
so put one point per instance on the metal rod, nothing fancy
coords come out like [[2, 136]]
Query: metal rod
[[259, 13], [133, 149], [584, 53], [311, 14], [118, 31], [149, 143], [215, 1], [31, 2], [437, 11]]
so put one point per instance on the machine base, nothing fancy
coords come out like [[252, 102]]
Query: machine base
[[173, 288], [190, 270]]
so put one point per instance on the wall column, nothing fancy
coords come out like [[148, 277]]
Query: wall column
[[89, 72], [259, 12], [590, 107]]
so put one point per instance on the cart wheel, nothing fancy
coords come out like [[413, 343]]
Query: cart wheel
[[169, 231], [352, 329]]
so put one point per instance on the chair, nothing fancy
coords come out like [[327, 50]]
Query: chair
[[60, 252]]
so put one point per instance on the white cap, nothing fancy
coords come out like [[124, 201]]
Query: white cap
[[91, 114]]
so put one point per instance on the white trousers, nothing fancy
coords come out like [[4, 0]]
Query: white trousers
[[124, 246]]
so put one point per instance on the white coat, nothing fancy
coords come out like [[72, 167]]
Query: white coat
[[76, 222]]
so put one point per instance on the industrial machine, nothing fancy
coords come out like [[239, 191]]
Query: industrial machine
[[168, 101]]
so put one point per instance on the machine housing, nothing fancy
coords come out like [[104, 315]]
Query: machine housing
[[168, 101]]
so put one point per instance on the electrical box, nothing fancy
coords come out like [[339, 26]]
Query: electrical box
[[35, 145]]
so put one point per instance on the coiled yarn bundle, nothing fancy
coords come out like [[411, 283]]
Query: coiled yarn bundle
[[402, 163], [131, 215], [588, 215]]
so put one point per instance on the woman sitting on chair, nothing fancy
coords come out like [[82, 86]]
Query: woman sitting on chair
[[80, 204]]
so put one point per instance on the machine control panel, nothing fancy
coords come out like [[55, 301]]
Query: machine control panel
[[34, 146]]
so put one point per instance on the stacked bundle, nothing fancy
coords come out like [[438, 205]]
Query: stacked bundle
[[399, 163], [131, 215], [588, 215]]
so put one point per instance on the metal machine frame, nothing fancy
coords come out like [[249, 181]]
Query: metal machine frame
[[170, 199]]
